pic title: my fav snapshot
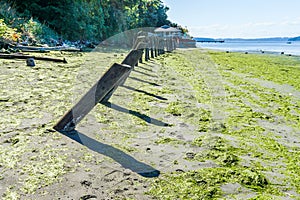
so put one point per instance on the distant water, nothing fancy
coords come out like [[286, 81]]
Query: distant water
[[255, 46]]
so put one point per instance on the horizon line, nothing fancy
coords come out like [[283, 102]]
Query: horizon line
[[246, 38]]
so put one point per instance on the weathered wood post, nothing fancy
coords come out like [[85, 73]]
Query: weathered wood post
[[100, 92], [163, 45], [152, 46], [155, 47], [171, 44], [92, 98], [141, 59], [174, 43], [146, 54], [147, 48], [152, 53], [159, 45], [168, 44], [131, 60], [140, 44]]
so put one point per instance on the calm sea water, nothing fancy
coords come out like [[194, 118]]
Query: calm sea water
[[273, 47]]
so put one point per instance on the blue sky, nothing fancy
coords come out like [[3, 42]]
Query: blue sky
[[237, 18]]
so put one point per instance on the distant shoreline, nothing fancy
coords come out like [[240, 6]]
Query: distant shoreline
[[253, 52], [274, 48]]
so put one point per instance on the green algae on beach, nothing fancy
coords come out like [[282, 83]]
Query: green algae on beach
[[216, 125], [257, 146]]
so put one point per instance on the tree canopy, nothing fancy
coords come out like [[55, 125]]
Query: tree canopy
[[92, 19]]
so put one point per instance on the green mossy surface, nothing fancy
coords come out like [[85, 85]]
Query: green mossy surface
[[253, 145], [31, 101], [247, 148]]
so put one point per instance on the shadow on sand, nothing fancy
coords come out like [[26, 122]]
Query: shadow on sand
[[143, 81], [119, 156], [144, 92], [136, 114], [144, 68], [145, 74]]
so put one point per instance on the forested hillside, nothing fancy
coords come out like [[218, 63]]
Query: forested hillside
[[295, 39], [93, 20]]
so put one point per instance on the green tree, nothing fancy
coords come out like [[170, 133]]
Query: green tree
[[93, 19]]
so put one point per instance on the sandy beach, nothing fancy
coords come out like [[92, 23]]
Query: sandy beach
[[191, 124]]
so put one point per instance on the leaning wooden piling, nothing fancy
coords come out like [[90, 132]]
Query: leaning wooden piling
[[114, 77], [131, 60], [92, 98]]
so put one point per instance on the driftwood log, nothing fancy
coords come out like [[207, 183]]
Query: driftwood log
[[19, 56], [35, 51], [57, 48]]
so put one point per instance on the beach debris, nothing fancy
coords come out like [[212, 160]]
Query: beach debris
[[21, 56], [86, 197], [30, 62], [45, 48], [86, 183]]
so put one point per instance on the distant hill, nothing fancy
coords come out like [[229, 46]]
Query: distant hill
[[204, 39], [273, 39], [295, 39]]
